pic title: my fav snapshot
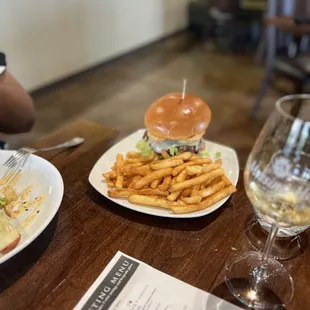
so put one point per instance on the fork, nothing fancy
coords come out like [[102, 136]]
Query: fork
[[17, 161]]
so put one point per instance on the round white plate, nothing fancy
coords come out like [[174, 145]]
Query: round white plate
[[46, 181], [107, 160]]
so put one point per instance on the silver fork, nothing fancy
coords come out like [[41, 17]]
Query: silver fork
[[14, 167], [17, 161]]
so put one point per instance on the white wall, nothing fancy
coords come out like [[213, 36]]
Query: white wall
[[45, 40]]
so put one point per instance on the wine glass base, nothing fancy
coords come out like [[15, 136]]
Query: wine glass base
[[273, 291], [283, 248]]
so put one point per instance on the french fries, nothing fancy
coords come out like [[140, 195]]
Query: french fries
[[192, 170], [150, 201], [134, 181], [206, 203], [119, 173], [166, 183], [164, 154], [200, 161], [194, 191], [129, 192], [133, 155], [186, 192], [183, 183], [212, 189], [149, 178], [226, 180], [197, 180], [180, 178], [166, 163], [192, 199], [155, 183]]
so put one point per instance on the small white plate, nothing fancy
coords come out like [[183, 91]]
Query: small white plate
[[46, 180], [107, 160]]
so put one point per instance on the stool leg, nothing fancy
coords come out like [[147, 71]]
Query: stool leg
[[262, 92]]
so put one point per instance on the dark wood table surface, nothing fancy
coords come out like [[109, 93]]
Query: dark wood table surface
[[60, 265]]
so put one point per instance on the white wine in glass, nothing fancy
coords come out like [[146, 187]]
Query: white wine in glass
[[277, 182]]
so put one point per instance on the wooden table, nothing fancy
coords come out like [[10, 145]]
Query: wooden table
[[61, 264]]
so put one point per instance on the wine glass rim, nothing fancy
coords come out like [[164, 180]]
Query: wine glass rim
[[287, 98]]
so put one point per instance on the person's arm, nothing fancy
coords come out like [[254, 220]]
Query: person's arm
[[16, 106], [298, 27]]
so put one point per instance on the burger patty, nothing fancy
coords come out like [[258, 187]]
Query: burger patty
[[188, 148], [181, 148]]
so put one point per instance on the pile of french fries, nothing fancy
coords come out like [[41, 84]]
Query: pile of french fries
[[183, 183]]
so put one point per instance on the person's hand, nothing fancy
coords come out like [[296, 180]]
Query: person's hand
[[283, 23]]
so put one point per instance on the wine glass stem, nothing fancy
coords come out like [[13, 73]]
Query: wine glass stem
[[260, 272], [269, 243]]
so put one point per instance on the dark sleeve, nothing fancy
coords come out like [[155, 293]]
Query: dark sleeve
[[302, 21], [2, 59]]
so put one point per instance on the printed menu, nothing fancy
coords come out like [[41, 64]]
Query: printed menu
[[129, 284]]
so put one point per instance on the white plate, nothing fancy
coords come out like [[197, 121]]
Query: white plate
[[46, 181], [106, 161]]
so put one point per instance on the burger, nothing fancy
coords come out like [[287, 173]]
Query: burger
[[175, 125]]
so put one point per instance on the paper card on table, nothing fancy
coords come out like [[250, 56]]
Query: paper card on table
[[129, 284]]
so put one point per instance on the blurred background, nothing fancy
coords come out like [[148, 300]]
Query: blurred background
[[107, 60]]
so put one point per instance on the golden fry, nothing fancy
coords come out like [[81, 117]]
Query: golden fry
[[195, 190], [139, 160], [129, 175], [127, 181], [174, 196], [119, 174], [186, 192], [212, 189], [173, 181], [166, 163], [219, 161], [208, 202], [144, 170], [127, 193], [166, 183], [130, 168], [226, 180], [180, 178], [155, 183], [150, 201], [146, 159], [197, 180], [194, 157], [192, 199], [133, 155], [137, 164], [110, 183], [134, 181], [119, 182], [110, 175], [164, 154], [132, 161], [149, 178], [192, 170], [213, 181], [107, 175], [183, 156], [200, 161]]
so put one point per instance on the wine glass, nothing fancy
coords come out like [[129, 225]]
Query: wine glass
[[277, 182], [289, 243]]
